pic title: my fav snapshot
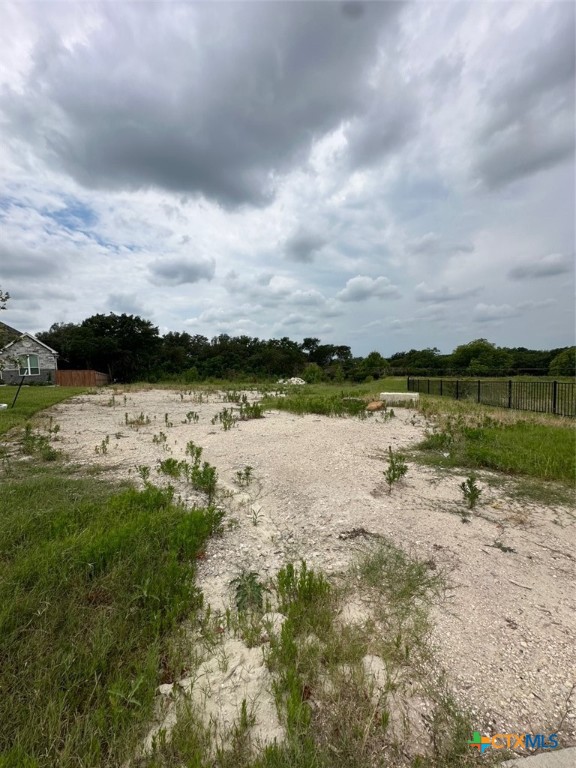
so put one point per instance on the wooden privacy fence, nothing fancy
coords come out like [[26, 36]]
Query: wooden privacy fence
[[81, 378], [557, 397]]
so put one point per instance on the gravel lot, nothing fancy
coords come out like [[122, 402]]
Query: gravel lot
[[505, 633]]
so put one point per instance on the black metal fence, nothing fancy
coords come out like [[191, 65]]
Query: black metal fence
[[557, 397]]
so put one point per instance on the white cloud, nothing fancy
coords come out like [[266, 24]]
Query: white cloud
[[362, 287]]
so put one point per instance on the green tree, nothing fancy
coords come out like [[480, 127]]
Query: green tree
[[481, 358], [312, 373], [373, 365], [564, 364], [124, 346]]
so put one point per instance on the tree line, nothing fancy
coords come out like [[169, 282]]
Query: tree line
[[130, 348]]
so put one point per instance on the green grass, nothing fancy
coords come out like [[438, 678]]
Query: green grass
[[30, 401], [332, 399], [522, 447], [94, 581]]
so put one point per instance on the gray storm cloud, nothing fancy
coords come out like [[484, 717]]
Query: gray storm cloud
[[178, 271], [213, 99], [548, 266]]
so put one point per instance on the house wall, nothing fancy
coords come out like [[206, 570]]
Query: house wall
[[47, 362]]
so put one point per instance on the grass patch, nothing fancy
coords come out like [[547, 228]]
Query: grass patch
[[332, 400], [476, 437], [324, 405], [549, 494], [30, 401], [94, 581]]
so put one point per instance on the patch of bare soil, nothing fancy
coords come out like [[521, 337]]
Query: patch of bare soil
[[505, 632]]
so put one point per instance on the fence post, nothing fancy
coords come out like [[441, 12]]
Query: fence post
[[457, 382], [509, 393], [554, 396], [478, 398], [428, 386], [408, 385], [441, 387]]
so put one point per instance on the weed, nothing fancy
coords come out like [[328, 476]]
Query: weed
[[167, 420], [171, 467], [299, 587], [53, 429], [248, 591], [226, 417], [470, 491], [194, 451], [34, 444], [191, 417], [103, 447], [244, 477], [255, 514], [143, 472], [204, 479], [396, 469], [159, 439], [141, 420], [250, 411]]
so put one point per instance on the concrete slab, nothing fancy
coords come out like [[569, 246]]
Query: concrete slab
[[390, 398], [558, 758]]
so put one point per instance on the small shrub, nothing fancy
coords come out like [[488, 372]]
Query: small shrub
[[143, 472], [194, 451], [171, 467], [299, 586], [226, 417], [250, 411], [396, 469], [470, 491], [35, 444], [204, 479]]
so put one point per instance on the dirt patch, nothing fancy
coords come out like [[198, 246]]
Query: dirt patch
[[505, 633]]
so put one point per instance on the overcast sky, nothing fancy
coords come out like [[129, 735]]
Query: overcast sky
[[383, 175]]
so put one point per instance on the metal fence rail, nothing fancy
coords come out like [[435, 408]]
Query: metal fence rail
[[558, 397]]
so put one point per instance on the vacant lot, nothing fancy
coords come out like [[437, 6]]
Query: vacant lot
[[504, 626]]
